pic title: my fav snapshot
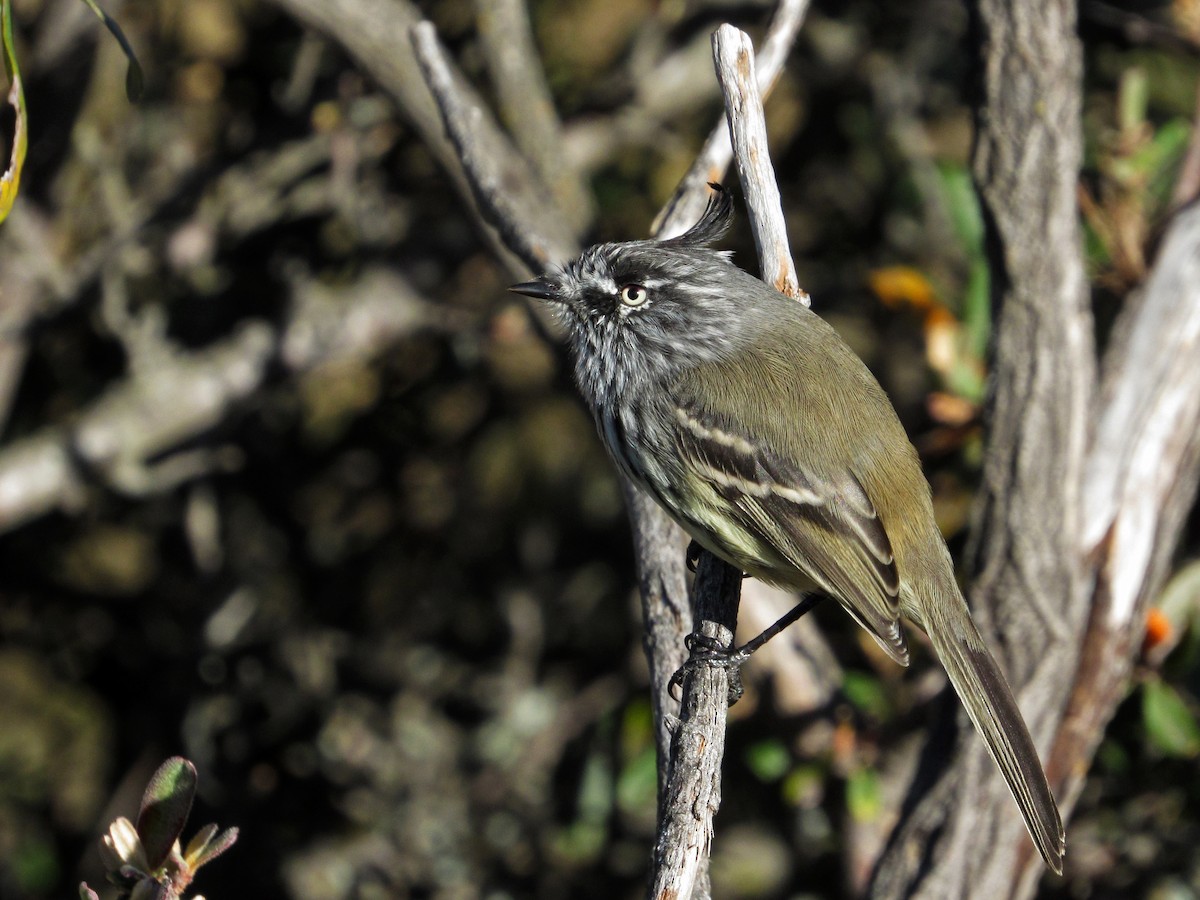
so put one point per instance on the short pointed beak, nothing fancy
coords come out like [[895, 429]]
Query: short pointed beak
[[541, 289]]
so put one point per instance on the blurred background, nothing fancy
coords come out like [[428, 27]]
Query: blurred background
[[291, 486]]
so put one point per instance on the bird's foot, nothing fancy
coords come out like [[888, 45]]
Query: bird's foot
[[706, 651]]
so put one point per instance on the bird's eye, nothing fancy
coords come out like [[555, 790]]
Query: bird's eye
[[634, 294]]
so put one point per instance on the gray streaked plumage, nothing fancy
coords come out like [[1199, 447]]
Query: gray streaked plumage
[[758, 429]]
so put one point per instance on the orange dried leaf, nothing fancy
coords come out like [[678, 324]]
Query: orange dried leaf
[[1158, 630], [898, 285], [950, 409]]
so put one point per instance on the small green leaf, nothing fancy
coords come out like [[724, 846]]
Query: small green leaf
[[977, 316], [768, 760], [1133, 96], [866, 693], [165, 808], [1170, 724], [199, 842], [135, 82], [864, 797], [1113, 757], [804, 786], [213, 847]]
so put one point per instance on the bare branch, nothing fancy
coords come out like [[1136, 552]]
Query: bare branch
[[1140, 483], [1151, 397], [686, 205], [129, 428], [526, 105], [694, 791], [502, 183], [734, 55], [130, 438]]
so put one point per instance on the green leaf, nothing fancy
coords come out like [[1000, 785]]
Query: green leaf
[[201, 852], [1170, 724], [866, 692], [10, 180], [199, 842], [963, 205], [1114, 758], [1133, 98], [135, 82], [165, 808], [864, 796], [768, 760], [977, 317], [804, 786]]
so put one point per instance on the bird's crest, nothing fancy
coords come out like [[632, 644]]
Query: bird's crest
[[715, 222]]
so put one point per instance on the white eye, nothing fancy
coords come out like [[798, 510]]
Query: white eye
[[634, 294]]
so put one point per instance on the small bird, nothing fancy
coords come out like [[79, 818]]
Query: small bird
[[768, 440]]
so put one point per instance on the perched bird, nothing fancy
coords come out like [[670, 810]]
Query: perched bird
[[767, 439]]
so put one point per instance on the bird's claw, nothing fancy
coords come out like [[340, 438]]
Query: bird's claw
[[707, 651]]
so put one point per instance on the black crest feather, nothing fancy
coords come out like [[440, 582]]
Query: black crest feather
[[715, 222]]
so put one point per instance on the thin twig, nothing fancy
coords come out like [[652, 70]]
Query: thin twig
[[504, 186], [734, 55], [686, 205], [526, 105]]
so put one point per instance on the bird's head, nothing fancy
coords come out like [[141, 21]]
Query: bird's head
[[642, 310]]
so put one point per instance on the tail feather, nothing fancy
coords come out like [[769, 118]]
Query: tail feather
[[980, 685]]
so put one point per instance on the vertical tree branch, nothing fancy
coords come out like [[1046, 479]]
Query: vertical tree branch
[[692, 793], [1029, 596], [1140, 483], [693, 789]]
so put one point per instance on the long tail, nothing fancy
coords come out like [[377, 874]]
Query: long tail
[[983, 691]]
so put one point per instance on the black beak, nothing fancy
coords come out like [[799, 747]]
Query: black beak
[[540, 289]]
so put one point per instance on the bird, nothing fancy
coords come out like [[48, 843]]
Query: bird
[[755, 426]]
